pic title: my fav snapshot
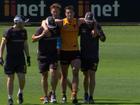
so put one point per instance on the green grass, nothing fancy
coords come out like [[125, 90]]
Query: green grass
[[117, 76]]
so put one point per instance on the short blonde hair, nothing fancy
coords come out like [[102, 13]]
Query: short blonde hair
[[55, 5]]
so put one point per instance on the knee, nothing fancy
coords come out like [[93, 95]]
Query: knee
[[76, 64], [53, 73], [10, 78], [44, 76]]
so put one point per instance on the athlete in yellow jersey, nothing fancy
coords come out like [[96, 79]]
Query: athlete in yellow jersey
[[69, 34], [70, 54]]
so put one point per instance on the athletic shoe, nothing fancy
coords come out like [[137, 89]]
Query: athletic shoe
[[10, 101], [64, 99], [20, 98], [42, 98], [91, 100], [86, 98], [45, 100], [74, 100], [53, 99]]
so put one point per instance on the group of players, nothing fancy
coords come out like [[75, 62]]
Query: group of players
[[57, 41]]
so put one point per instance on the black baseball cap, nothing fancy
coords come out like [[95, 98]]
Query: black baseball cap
[[50, 21]]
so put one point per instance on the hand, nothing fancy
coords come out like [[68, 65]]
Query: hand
[[93, 33], [1, 61], [28, 61]]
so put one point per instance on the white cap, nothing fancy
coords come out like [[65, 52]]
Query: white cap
[[20, 19]]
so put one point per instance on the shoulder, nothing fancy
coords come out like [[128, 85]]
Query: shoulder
[[65, 20], [97, 23], [43, 21], [8, 31]]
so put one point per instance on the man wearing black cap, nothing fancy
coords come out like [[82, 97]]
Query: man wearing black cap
[[90, 32], [15, 40], [47, 53]]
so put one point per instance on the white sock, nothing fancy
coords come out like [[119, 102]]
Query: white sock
[[20, 91], [9, 96]]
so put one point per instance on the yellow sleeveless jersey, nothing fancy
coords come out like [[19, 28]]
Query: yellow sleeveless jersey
[[69, 34]]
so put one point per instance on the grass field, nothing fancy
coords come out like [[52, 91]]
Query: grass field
[[118, 75]]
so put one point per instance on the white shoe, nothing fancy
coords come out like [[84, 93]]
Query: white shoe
[[45, 100], [53, 99], [64, 99]]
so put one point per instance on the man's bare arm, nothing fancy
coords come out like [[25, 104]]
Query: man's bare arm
[[59, 22], [26, 48], [2, 46], [36, 38], [43, 24], [100, 32]]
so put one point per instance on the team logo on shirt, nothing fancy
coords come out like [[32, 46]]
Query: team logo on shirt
[[84, 30]]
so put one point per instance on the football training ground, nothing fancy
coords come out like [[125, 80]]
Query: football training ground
[[118, 75]]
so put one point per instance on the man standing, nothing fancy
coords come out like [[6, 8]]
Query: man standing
[[47, 54], [70, 54], [55, 10], [15, 40], [90, 32]]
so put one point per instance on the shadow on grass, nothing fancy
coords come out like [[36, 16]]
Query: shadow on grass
[[54, 104], [120, 100], [31, 104], [113, 102], [119, 103], [99, 102]]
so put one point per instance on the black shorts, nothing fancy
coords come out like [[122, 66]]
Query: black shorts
[[11, 69], [47, 63], [89, 64], [66, 57], [14, 64]]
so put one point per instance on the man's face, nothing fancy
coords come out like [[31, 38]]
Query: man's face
[[55, 12], [69, 14], [20, 25]]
